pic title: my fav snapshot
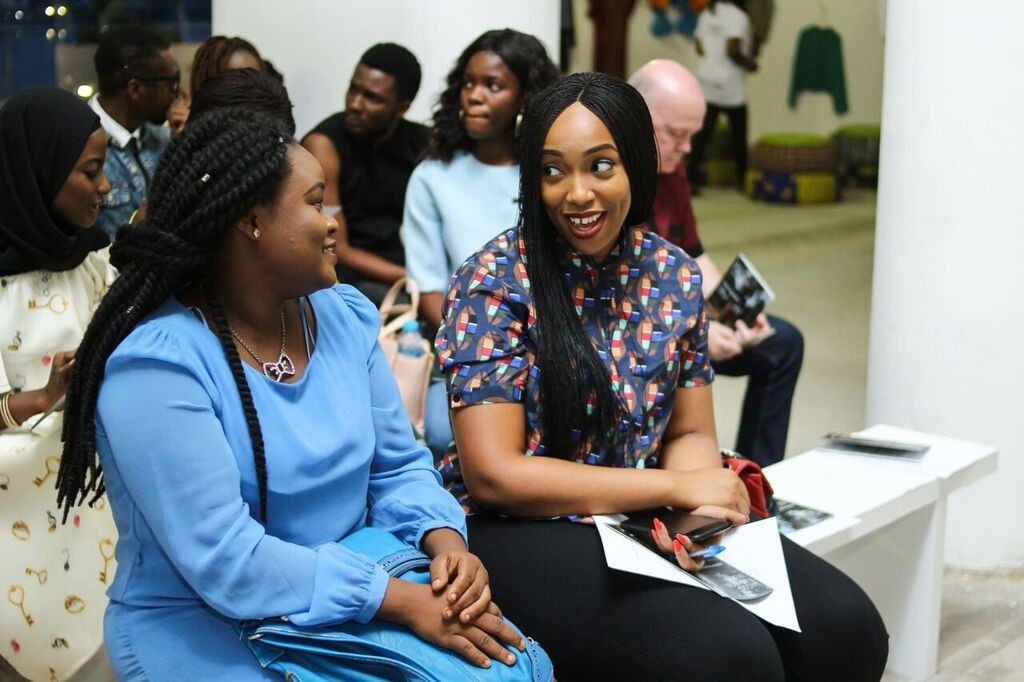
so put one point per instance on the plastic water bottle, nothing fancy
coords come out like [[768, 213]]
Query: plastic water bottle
[[410, 341]]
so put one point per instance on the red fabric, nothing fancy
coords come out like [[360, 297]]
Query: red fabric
[[672, 213], [758, 487]]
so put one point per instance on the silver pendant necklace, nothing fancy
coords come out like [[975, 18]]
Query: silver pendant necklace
[[276, 371]]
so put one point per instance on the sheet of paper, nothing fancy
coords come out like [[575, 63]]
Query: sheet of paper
[[754, 548]]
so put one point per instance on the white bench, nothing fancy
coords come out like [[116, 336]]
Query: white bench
[[888, 528]]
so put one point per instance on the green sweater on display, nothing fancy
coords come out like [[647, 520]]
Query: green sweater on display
[[818, 67]]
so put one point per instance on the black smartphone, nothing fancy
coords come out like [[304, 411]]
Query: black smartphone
[[697, 528]]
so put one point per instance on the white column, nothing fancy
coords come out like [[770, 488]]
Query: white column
[[947, 318], [317, 43]]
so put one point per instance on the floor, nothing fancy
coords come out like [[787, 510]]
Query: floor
[[818, 259]]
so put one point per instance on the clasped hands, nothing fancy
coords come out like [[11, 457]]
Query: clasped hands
[[456, 612]]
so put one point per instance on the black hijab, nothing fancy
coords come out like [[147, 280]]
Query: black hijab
[[42, 133]]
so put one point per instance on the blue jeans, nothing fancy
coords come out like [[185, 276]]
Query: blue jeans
[[436, 426], [772, 368]]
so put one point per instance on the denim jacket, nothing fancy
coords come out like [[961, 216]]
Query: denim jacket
[[128, 184]]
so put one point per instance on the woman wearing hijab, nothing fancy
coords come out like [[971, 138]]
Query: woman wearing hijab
[[53, 271]]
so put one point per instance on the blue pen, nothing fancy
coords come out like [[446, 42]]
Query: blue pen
[[707, 552]]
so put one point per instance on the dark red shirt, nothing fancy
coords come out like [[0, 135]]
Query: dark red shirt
[[672, 214]]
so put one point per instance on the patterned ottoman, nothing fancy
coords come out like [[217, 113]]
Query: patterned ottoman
[[793, 153], [792, 188], [793, 168], [858, 153]]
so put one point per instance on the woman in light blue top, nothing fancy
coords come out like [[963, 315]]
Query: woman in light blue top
[[468, 188], [246, 420]]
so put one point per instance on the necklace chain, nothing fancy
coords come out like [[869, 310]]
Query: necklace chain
[[278, 371]]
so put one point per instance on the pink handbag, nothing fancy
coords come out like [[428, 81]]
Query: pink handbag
[[411, 373]]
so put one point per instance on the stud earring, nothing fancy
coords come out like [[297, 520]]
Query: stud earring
[[519, 124], [256, 233]]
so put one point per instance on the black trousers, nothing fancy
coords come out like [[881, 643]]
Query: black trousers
[[551, 579], [772, 368], [737, 117]]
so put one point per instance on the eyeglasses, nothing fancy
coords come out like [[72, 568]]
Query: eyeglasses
[[174, 79]]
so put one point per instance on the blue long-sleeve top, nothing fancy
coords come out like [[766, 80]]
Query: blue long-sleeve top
[[180, 477]]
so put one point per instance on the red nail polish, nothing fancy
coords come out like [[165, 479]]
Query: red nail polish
[[677, 546], [658, 525]]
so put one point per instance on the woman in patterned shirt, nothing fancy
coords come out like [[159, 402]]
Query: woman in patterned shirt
[[579, 338]]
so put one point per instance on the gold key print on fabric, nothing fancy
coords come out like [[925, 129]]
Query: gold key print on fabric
[[16, 595], [52, 467], [57, 304], [39, 575], [107, 552]]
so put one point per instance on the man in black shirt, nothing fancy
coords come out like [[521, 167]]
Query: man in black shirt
[[368, 152]]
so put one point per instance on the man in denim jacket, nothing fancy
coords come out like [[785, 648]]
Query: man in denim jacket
[[138, 82]]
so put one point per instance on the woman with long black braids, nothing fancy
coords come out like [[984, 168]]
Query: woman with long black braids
[[245, 420]]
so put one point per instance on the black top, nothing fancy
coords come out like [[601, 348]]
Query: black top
[[372, 181]]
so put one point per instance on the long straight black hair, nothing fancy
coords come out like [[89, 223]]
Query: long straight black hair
[[571, 370]]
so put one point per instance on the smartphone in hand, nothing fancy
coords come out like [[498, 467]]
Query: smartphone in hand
[[715, 574], [678, 522]]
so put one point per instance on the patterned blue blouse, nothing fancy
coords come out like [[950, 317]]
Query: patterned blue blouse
[[642, 308]]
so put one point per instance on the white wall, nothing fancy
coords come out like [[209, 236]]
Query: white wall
[[317, 43], [946, 321], [858, 23]]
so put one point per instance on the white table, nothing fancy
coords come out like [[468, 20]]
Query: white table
[[888, 530]]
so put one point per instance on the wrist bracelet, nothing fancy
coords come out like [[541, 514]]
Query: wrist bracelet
[[5, 412]]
